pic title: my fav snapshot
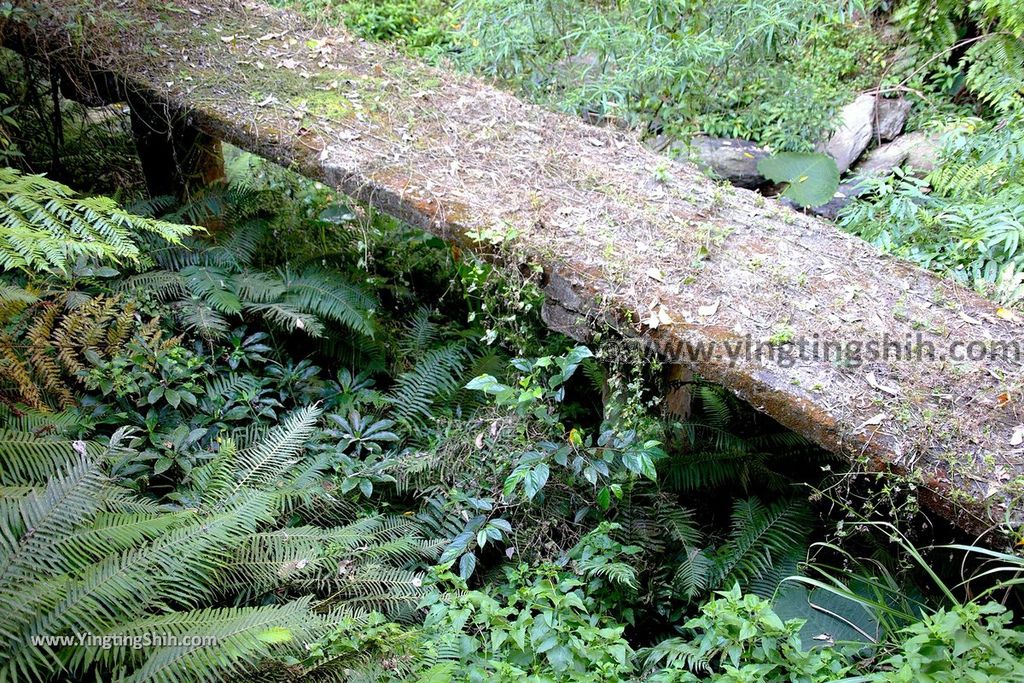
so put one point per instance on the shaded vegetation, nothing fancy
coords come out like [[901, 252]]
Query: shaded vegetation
[[338, 449]]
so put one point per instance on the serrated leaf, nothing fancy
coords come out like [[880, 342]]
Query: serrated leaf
[[274, 635]]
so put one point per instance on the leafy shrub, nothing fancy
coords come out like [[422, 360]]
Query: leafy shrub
[[539, 624], [967, 642], [414, 24], [965, 219], [739, 638], [750, 69]]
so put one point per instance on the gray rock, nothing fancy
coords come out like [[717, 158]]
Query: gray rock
[[883, 159], [924, 150], [112, 112], [917, 150], [845, 193], [659, 143], [854, 132], [731, 159], [891, 117]]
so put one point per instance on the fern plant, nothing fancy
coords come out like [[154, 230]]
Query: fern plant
[[993, 60], [435, 376], [44, 355], [718, 448], [80, 555], [45, 227], [966, 218], [212, 286]]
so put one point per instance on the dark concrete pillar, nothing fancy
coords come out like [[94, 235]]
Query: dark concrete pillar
[[177, 159]]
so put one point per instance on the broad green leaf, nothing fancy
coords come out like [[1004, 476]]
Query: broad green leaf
[[467, 565], [172, 397], [812, 177]]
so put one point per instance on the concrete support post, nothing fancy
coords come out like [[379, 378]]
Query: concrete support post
[[177, 159]]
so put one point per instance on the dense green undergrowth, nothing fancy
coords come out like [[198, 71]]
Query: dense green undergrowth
[[337, 449], [353, 486]]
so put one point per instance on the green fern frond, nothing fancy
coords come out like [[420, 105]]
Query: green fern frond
[[31, 460], [287, 317], [232, 385], [153, 207], [593, 371], [244, 636], [674, 653], [419, 335], [110, 533], [693, 574], [377, 588], [330, 297], [714, 404], [239, 247], [680, 523], [12, 295], [996, 72], [255, 287], [199, 317], [30, 540], [45, 227], [83, 556], [784, 566], [262, 464], [760, 536], [40, 424], [162, 285], [437, 374], [213, 286]]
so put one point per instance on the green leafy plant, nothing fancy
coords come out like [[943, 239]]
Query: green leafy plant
[[992, 62], [729, 69], [739, 638], [46, 228], [538, 625], [973, 642], [811, 178], [81, 555], [964, 219]]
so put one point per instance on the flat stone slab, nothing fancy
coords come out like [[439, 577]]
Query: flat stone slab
[[715, 278]]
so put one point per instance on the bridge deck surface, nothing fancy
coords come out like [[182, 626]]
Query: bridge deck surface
[[622, 234]]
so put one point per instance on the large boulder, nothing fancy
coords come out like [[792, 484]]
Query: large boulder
[[891, 117], [856, 124], [731, 159], [884, 158], [924, 150], [918, 150]]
